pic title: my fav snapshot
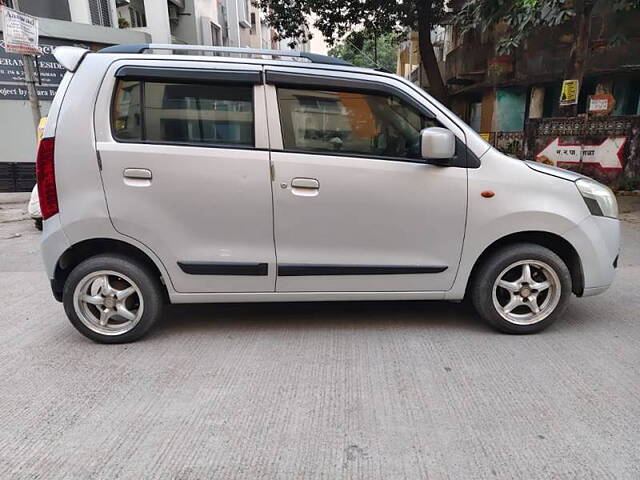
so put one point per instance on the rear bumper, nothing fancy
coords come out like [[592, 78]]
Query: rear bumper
[[597, 241], [53, 244]]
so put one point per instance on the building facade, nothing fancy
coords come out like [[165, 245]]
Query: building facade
[[515, 100], [232, 23]]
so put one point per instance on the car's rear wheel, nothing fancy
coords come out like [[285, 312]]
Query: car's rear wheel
[[112, 299], [521, 288]]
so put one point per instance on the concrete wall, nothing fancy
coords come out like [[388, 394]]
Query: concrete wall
[[553, 140], [158, 27], [18, 136], [89, 33], [186, 29], [80, 12], [238, 23], [206, 11], [487, 123], [58, 9]]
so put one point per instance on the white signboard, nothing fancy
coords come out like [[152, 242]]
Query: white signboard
[[598, 104], [607, 155], [20, 32]]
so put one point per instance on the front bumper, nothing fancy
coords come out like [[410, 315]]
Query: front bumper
[[597, 241]]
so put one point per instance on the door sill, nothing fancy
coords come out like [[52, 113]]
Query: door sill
[[301, 296]]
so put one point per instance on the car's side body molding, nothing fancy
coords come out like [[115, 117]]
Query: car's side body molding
[[304, 269], [224, 268]]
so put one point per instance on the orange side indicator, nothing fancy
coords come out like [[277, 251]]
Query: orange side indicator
[[487, 194]]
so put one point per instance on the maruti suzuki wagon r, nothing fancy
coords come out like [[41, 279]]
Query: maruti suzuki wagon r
[[186, 177]]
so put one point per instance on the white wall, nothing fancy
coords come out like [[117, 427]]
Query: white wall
[[206, 11], [79, 10], [158, 26], [317, 43], [238, 23]]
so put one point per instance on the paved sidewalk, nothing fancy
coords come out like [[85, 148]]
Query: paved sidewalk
[[14, 197]]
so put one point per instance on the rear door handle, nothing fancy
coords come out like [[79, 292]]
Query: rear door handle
[[305, 187], [137, 177]]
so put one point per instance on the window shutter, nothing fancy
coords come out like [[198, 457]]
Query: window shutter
[[100, 12]]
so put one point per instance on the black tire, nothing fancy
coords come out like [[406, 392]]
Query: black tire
[[487, 274], [147, 282], [38, 223]]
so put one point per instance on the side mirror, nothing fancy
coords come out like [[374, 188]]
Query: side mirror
[[437, 145]]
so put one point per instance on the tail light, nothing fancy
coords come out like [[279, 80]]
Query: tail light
[[46, 177]]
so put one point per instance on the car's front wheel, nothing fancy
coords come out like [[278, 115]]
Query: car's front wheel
[[112, 298], [521, 288]]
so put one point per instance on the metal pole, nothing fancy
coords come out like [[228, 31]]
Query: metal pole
[[27, 66]]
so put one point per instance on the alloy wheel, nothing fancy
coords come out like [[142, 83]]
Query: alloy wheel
[[108, 302], [526, 292]]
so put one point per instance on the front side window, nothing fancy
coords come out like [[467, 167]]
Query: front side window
[[350, 122], [178, 113]]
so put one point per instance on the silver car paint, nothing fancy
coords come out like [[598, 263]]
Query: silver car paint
[[202, 204], [525, 200], [83, 209]]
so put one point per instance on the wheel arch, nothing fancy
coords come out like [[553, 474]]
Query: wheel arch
[[552, 241], [88, 248]]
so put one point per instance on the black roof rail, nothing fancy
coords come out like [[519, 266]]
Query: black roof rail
[[142, 47]]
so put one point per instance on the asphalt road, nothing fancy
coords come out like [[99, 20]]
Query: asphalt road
[[346, 390]]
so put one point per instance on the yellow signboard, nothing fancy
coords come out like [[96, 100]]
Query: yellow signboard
[[570, 90], [486, 137], [41, 127]]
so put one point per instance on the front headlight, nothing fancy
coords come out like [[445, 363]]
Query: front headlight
[[599, 198]]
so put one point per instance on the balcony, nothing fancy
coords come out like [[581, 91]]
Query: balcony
[[467, 64]]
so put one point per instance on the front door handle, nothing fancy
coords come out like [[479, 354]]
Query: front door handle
[[137, 173], [137, 177], [305, 187], [305, 183]]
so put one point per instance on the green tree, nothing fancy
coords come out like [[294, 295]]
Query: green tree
[[367, 49], [337, 18], [525, 17]]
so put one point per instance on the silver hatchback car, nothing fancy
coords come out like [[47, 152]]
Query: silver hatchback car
[[189, 176]]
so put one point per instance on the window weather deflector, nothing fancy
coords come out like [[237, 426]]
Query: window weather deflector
[[189, 75], [325, 82]]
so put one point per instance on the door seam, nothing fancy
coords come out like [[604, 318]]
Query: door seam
[[272, 178]]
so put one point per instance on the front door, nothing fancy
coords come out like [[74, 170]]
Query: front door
[[183, 176], [355, 208]]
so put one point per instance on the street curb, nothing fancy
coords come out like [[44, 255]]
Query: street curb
[[14, 197]]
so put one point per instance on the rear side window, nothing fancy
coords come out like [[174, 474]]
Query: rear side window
[[179, 113]]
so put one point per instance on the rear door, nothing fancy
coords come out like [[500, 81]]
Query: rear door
[[356, 209], [185, 168]]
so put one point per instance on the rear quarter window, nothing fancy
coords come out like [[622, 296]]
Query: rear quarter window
[[180, 113]]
